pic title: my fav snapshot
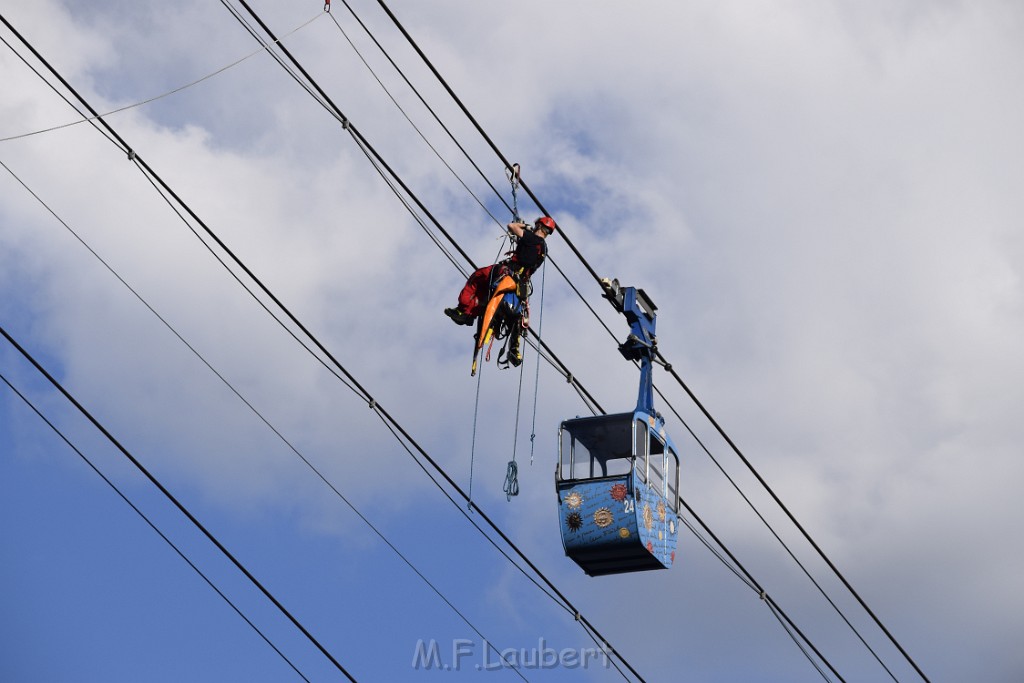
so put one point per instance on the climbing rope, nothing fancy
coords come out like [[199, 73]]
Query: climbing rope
[[472, 447], [536, 377], [511, 487]]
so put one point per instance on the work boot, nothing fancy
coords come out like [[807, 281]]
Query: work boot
[[515, 356], [458, 317]]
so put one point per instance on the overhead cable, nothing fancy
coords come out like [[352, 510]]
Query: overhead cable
[[87, 119], [138, 159], [151, 525], [327, 98], [181, 507], [268, 424], [714, 423], [411, 123]]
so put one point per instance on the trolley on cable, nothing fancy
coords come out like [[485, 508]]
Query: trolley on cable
[[617, 476]]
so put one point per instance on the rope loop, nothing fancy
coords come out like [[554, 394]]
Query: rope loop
[[511, 487]]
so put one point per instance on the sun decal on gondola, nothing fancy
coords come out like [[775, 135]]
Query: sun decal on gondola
[[574, 521], [661, 510], [619, 492], [603, 517], [574, 500], [623, 532]]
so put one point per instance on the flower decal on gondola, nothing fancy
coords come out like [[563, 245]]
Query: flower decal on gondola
[[650, 547], [648, 517], [619, 492], [603, 517], [661, 510], [574, 500], [574, 521]]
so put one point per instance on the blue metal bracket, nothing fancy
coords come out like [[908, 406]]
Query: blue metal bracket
[[639, 345]]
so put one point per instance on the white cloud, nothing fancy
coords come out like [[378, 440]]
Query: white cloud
[[822, 200]]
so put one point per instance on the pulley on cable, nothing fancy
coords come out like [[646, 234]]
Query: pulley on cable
[[617, 476]]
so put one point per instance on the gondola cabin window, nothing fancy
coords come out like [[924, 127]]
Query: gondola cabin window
[[662, 466], [597, 447]]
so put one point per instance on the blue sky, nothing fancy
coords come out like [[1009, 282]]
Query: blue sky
[[821, 198]]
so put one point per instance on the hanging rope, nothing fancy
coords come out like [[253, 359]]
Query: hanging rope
[[511, 480], [536, 378], [472, 448], [511, 487]]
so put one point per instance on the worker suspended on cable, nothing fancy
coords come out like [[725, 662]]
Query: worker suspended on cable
[[529, 253]]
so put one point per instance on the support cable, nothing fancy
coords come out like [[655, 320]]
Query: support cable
[[466, 512], [384, 414], [151, 525], [88, 119], [263, 419], [480, 130], [277, 58], [363, 142], [410, 209], [778, 538], [799, 526], [595, 276], [429, 108], [351, 128], [410, 121], [279, 304], [785, 626], [170, 496], [568, 241], [751, 581]]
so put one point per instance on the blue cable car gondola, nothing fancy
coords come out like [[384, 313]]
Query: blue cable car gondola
[[618, 475]]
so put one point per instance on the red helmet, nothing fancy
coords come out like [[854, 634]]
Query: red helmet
[[546, 222]]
